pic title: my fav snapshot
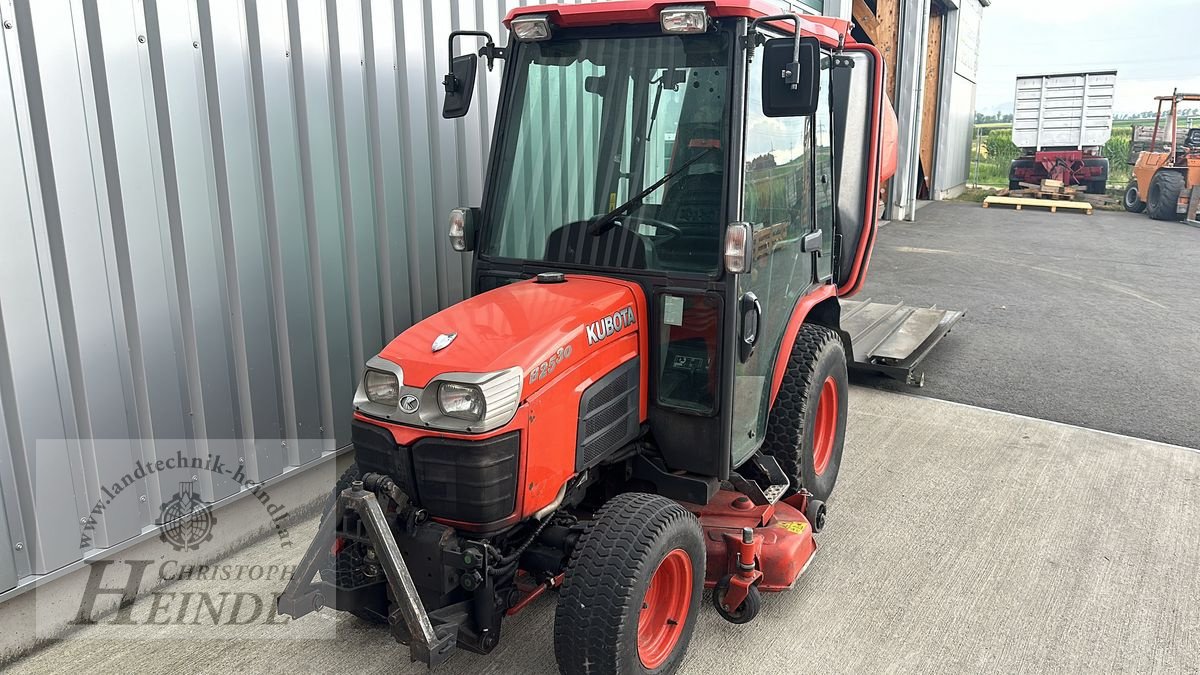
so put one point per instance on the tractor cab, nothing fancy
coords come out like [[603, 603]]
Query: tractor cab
[[645, 394], [633, 145]]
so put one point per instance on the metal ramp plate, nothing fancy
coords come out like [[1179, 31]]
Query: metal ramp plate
[[893, 339]]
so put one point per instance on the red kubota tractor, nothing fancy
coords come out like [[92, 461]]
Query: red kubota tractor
[[646, 394]]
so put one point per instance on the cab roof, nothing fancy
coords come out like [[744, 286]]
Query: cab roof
[[826, 29]]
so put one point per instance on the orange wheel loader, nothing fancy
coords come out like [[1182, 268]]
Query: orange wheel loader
[[645, 395]]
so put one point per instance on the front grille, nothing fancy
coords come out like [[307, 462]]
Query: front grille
[[471, 481], [468, 481], [375, 451]]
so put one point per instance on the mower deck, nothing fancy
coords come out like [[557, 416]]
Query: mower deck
[[782, 539]]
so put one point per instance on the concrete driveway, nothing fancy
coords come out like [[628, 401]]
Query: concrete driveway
[[959, 540]]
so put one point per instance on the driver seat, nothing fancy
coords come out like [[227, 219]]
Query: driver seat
[[1192, 140], [615, 247], [693, 204]]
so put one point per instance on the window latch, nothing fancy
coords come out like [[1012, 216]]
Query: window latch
[[811, 243]]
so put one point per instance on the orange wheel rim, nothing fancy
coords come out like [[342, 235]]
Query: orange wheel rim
[[664, 609], [825, 430]]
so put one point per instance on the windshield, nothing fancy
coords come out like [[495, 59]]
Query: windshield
[[594, 123]]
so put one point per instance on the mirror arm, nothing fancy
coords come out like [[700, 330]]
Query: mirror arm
[[489, 51], [792, 74]]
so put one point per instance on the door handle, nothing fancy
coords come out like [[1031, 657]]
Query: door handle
[[751, 316], [811, 243]]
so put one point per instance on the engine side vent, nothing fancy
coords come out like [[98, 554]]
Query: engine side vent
[[608, 415]]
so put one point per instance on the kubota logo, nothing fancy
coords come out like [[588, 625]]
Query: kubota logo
[[598, 330]]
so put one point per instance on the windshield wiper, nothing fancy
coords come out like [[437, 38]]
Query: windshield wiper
[[606, 221]]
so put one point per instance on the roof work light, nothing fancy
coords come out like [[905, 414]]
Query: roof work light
[[531, 28], [684, 19]]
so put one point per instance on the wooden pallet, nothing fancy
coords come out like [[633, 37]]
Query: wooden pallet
[[1047, 189], [1053, 204]]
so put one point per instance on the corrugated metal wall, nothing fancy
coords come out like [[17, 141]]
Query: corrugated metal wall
[[213, 212]]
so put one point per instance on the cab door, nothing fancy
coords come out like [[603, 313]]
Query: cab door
[[788, 199], [864, 138], [810, 190]]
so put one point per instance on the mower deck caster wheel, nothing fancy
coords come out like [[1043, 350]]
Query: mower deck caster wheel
[[815, 513], [743, 613]]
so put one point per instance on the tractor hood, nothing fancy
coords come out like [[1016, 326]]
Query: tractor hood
[[530, 324]]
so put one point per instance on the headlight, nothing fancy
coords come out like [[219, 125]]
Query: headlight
[[685, 19], [531, 28], [382, 388], [470, 403], [464, 401]]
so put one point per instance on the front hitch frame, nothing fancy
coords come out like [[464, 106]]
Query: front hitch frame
[[410, 623]]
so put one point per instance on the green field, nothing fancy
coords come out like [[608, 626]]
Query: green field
[[992, 150]]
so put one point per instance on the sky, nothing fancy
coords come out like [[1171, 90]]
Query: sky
[[1153, 44]]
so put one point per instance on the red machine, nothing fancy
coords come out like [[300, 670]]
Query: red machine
[[646, 393], [1070, 167]]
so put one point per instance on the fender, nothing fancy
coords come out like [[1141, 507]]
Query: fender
[[799, 313]]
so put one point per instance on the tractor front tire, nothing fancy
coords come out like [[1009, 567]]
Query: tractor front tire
[[631, 590], [1164, 195], [1131, 201], [347, 563], [807, 425]]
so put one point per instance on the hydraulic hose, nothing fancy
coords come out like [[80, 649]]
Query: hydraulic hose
[[510, 560]]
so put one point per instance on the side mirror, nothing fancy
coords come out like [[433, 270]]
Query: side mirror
[[791, 76], [460, 85]]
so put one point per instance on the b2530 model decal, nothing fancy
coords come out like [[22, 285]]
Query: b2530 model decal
[[546, 367], [610, 325]]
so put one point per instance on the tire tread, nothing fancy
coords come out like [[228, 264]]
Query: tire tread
[[602, 578], [785, 426]]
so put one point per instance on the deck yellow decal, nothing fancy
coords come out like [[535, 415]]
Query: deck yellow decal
[[793, 526]]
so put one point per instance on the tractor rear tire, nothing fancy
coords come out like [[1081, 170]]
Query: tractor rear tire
[[807, 425], [1131, 202], [1097, 187], [348, 559], [632, 589], [1164, 195], [1015, 185]]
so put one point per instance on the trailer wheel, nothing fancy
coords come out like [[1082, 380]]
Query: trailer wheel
[[1164, 194], [1131, 202], [631, 590], [346, 563], [807, 425]]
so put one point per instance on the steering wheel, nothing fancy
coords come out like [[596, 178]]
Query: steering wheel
[[663, 231]]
